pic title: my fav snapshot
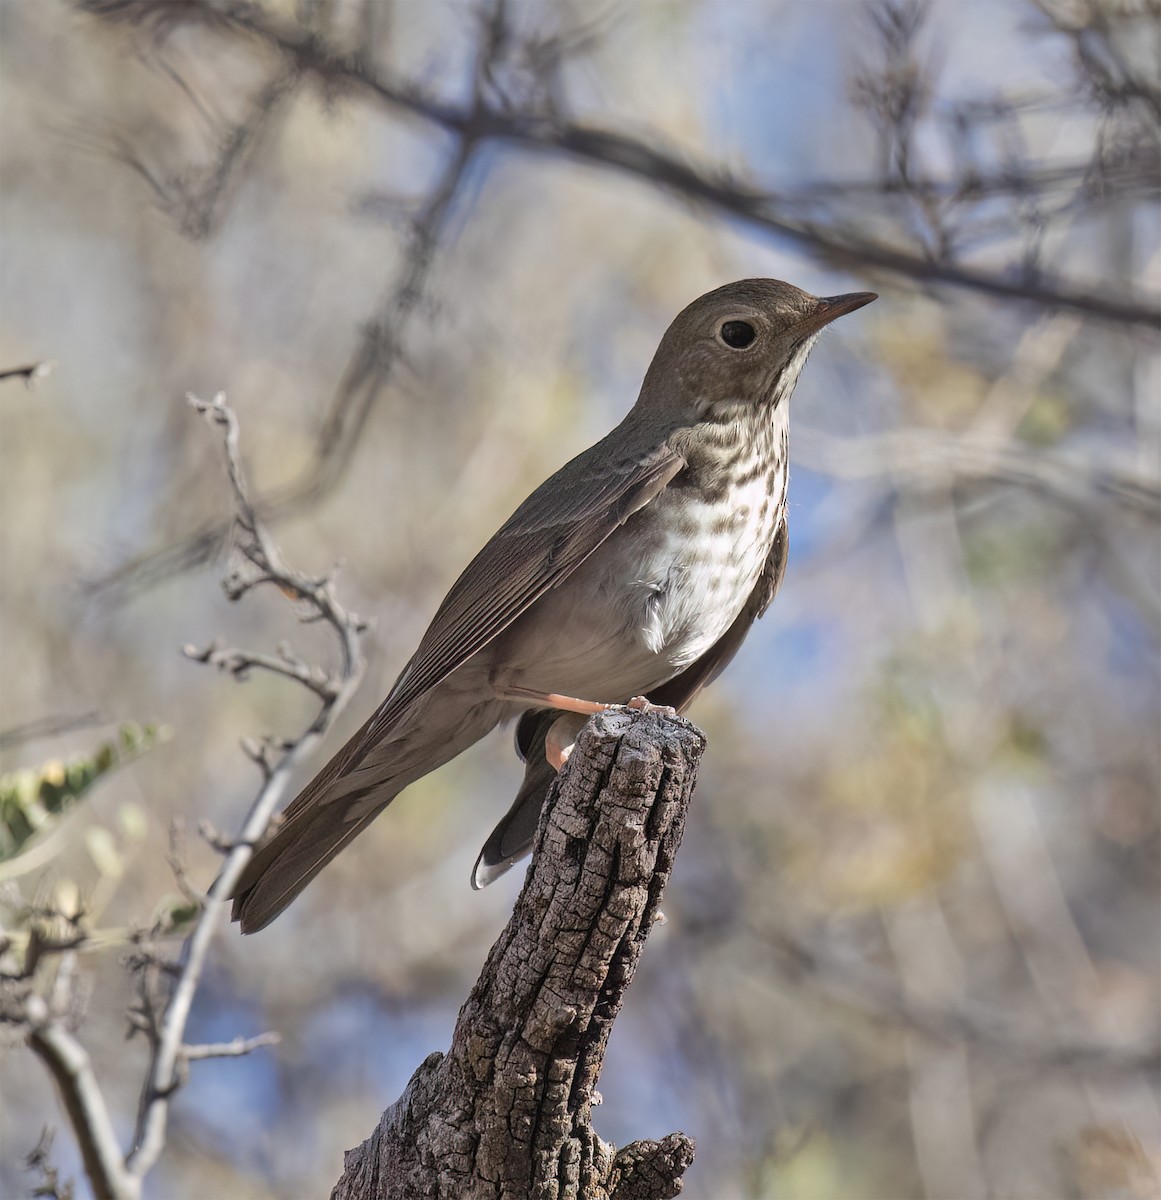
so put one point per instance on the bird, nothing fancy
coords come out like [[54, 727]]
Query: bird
[[630, 576]]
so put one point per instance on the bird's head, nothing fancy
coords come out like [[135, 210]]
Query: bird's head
[[743, 344]]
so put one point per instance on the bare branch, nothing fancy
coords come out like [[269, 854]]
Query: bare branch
[[239, 663], [917, 457], [196, 199], [72, 1070], [858, 986], [637, 158], [47, 727], [1100, 62], [166, 988], [177, 866], [528, 114], [32, 374], [235, 1049], [522, 116], [39, 1160], [318, 596], [201, 213], [369, 370], [214, 837]]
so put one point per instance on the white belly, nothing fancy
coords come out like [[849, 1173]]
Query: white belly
[[650, 601], [692, 597]]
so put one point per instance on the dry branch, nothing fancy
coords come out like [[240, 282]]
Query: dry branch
[[32, 373], [545, 132], [262, 564], [166, 988], [506, 1112], [518, 100]]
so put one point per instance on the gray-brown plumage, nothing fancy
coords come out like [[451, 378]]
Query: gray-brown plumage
[[512, 837], [635, 570]]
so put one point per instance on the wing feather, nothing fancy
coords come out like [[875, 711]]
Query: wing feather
[[537, 548], [513, 836]]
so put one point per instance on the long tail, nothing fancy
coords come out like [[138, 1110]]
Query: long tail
[[282, 866], [349, 793], [513, 836]]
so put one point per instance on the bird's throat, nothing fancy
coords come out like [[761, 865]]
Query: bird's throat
[[735, 446]]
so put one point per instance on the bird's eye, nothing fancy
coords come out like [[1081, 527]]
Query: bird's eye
[[737, 334]]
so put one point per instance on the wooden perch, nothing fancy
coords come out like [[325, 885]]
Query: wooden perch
[[505, 1114]]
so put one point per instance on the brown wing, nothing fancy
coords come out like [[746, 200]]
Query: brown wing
[[540, 545], [537, 548], [512, 838]]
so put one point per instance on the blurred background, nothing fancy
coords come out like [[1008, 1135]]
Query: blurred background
[[427, 250]]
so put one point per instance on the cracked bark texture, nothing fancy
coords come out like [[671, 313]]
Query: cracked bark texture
[[505, 1113]]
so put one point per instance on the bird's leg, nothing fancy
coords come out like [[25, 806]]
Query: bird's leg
[[561, 736], [553, 700], [568, 703]]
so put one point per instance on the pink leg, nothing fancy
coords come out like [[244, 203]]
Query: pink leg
[[553, 700], [562, 734], [572, 704], [561, 738]]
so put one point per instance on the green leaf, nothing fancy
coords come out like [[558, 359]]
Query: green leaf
[[32, 800]]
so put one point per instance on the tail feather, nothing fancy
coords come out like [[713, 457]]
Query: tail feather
[[513, 836], [352, 790], [298, 851]]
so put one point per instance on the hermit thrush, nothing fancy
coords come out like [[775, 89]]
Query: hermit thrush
[[635, 571]]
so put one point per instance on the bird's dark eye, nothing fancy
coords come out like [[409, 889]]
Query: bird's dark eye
[[737, 334]]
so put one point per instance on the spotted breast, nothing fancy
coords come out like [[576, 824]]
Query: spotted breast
[[646, 605]]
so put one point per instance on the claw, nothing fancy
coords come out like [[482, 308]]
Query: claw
[[643, 704]]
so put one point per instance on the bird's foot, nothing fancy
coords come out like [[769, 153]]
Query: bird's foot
[[561, 738], [562, 734]]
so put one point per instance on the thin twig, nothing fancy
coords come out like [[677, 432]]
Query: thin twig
[[239, 663], [39, 1160], [46, 727], [368, 371], [522, 116], [235, 1049], [860, 987], [159, 1013], [916, 457], [635, 157], [169, 1052], [177, 865], [32, 374]]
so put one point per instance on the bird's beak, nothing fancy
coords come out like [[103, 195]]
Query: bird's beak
[[830, 308]]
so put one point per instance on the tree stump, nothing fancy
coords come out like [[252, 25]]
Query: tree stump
[[506, 1112]]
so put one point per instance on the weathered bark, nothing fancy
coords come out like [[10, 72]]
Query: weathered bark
[[506, 1112]]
